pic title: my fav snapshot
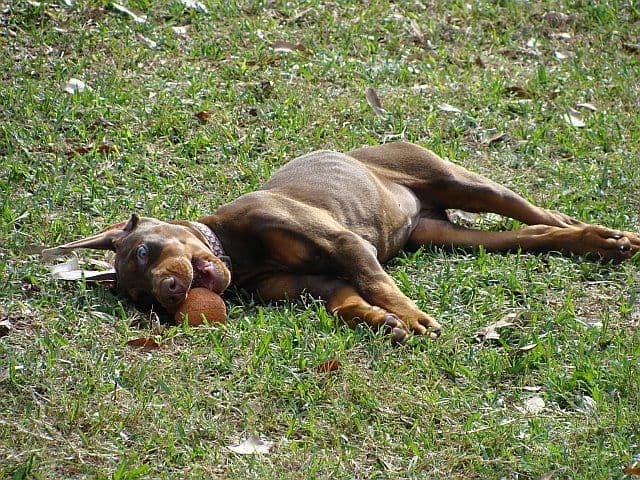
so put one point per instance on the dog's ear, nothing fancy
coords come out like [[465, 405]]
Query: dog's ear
[[103, 240]]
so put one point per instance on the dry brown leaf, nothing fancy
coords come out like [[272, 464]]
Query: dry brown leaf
[[288, 47], [479, 61], [490, 332], [558, 19], [252, 445], [329, 366], [5, 327], [573, 118], [103, 149], [632, 470], [416, 31], [631, 47], [548, 475], [414, 57], [517, 91], [203, 116], [495, 138], [146, 344], [374, 101]]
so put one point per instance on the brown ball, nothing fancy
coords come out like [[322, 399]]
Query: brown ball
[[202, 302]]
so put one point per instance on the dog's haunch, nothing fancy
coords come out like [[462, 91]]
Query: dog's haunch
[[202, 303]]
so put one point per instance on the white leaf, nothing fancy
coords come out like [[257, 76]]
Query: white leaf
[[560, 35], [124, 10], [179, 31], [147, 41], [251, 446], [75, 86], [195, 5], [573, 118], [587, 106], [534, 405], [562, 55], [62, 268], [445, 107]]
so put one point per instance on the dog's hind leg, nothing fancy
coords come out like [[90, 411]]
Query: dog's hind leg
[[588, 240]]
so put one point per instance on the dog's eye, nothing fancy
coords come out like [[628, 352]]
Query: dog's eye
[[142, 254]]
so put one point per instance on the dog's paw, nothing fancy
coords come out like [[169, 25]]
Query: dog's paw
[[425, 325], [395, 328], [609, 244]]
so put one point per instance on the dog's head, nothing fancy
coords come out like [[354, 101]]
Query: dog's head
[[158, 261]]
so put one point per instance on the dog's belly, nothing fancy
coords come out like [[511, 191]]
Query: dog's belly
[[381, 212]]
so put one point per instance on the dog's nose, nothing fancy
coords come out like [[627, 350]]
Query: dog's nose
[[172, 291]]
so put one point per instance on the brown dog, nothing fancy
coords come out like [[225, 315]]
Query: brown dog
[[325, 222]]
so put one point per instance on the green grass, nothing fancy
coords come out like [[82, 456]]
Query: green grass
[[76, 402]]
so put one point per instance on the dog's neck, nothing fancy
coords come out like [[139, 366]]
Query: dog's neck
[[214, 242]]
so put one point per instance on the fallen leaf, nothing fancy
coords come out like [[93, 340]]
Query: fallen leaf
[[328, 366], [146, 344], [251, 446], [374, 101], [414, 57], [147, 41], [517, 91], [632, 470], [531, 389], [631, 47], [480, 62], [102, 149], [180, 31], [287, 47], [416, 31], [548, 475], [495, 138], [195, 5], [560, 35], [203, 116], [461, 217], [5, 327], [558, 19], [490, 332], [74, 85], [445, 107], [560, 55], [573, 118], [587, 106], [527, 348], [125, 11], [534, 405]]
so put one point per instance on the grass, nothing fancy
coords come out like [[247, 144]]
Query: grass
[[77, 402]]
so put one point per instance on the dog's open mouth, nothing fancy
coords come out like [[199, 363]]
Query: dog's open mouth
[[205, 274]]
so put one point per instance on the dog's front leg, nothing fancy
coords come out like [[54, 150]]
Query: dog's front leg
[[359, 265], [341, 298]]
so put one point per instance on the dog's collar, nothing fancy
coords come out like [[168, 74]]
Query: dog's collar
[[214, 242]]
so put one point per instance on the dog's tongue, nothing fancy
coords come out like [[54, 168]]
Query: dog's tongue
[[204, 274]]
